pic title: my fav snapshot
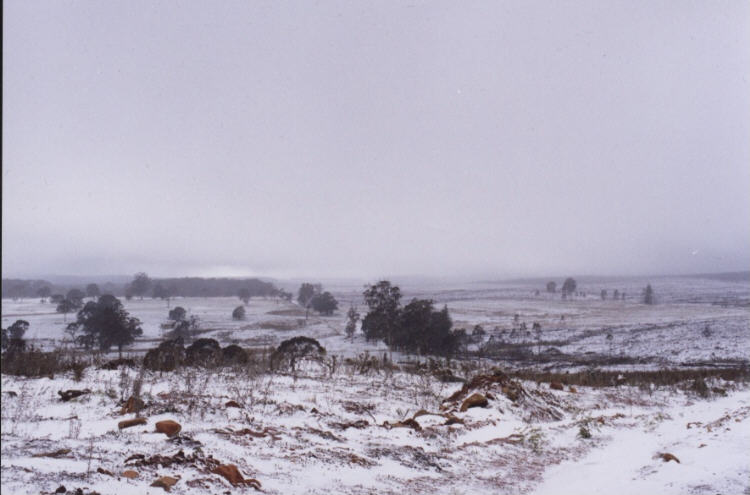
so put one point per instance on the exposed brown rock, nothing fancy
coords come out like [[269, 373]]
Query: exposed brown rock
[[233, 403], [133, 405], [168, 427], [497, 380], [232, 474], [131, 422], [452, 420], [56, 453], [71, 394], [407, 423], [130, 474], [474, 400], [666, 457], [556, 386], [573, 390], [166, 482], [358, 407], [104, 471], [536, 405], [359, 424]]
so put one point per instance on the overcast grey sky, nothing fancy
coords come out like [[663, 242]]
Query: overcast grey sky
[[376, 138]]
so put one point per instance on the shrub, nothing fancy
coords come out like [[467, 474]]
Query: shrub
[[648, 295], [601, 378], [167, 357], [203, 352], [35, 363], [233, 355], [584, 432], [239, 313], [12, 339]]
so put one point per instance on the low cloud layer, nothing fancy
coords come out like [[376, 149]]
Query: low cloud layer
[[349, 139]]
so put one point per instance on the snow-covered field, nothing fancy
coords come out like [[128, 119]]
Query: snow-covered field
[[674, 331], [336, 434], [346, 431]]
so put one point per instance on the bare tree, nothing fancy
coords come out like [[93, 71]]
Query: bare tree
[[352, 317]]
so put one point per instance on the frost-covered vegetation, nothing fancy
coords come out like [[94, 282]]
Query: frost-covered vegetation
[[536, 394]]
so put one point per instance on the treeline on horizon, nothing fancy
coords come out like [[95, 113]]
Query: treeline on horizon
[[176, 287]]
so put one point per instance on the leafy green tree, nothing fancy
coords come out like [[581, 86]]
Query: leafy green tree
[[551, 287], [177, 314], [44, 292], [569, 286], [324, 303], [105, 323], [306, 292], [185, 329], [76, 297], [15, 292], [383, 302], [160, 292], [92, 290], [67, 306], [423, 329], [295, 350], [140, 285]]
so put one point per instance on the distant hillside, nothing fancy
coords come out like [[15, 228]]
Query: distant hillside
[[726, 276], [216, 287], [15, 287], [185, 287]]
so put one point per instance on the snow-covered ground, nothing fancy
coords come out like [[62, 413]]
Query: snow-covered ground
[[335, 433], [695, 320]]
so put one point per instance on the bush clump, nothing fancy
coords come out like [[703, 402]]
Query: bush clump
[[203, 352], [167, 357], [233, 355]]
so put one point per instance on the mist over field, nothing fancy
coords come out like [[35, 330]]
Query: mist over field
[[334, 139], [395, 247]]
